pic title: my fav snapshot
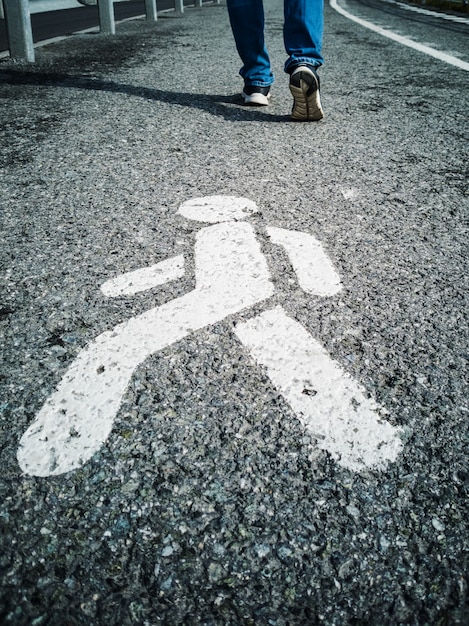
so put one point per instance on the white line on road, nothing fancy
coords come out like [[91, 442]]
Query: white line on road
[[436, 14], [331, 405], [442, 56]]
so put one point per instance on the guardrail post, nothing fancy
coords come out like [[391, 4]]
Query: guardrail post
[[19, 33], [179, 6], [198, 3], [150, 10], [107, 24], [2, 14]]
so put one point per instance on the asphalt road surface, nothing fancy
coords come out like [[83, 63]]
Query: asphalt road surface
[[234, 347]]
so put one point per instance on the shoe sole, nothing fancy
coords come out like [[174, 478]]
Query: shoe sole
[[304, 87], [256, 99]]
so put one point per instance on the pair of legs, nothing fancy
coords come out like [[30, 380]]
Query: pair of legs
[[302, 33]]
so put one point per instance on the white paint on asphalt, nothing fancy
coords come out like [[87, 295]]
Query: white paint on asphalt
[[350, 193], [329, 403], [144, 278], [314, 270], [442, 16], [231, 276], [214, 209], [441, 56]]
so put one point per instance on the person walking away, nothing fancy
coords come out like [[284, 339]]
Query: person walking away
[[302, 31]]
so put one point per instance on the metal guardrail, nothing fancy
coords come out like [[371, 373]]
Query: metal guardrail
[[20, 36], [19, 31]]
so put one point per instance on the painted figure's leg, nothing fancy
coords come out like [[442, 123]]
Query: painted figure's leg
[[329, 403], [77, 418], [231, 274]]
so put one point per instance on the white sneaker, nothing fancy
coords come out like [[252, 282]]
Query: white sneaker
[[256, 96]]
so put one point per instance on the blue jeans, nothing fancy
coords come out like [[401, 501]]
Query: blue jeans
[[302, 35]]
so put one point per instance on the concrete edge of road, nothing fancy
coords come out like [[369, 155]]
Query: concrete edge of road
[[44, 6], [46, 42]]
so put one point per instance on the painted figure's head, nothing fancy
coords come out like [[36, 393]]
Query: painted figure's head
[[215, 209]]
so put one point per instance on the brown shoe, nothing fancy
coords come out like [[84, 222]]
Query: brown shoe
[[304, 86]]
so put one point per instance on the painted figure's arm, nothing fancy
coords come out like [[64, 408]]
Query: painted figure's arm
[[313, 268], [144, 278]]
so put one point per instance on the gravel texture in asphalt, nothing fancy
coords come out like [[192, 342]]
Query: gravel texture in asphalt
[[209, 503]]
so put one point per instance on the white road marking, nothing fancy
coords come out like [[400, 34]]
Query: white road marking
[[350, 193], [231, 275], [442, 56], [436, 14], [314, 270], [144, 278], [214, 209], [330, 404]]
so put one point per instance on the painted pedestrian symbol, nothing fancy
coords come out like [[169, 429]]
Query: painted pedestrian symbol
[[231, 276]]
